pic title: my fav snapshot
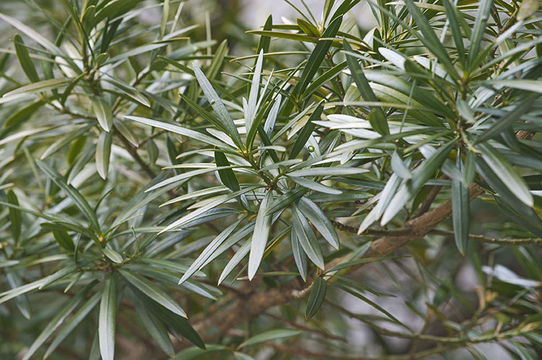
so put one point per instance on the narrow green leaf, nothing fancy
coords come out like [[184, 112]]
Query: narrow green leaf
[[218, 60], [208, 251], [64, 240], [319, 220], [269, 336], [455, 28], [306, 132], [284, 35], [24, 59], [194, 353], [420, 175], [22, 302], [259, 236], [479, 28], [75, 149], [38, 284], [226, 174], [152, 151], [506, 173], [37, 86], [265, 41], [103, 113], [103, 153], [430, 39], [218, 107], [236, 259], [107, 320], [308, 28], [300, 257], [178, 130], [176, 324], [318, 54], [316, 297], [113, 9], [209, 204], [312, 185], [15, 216], [71, 192], [23, 114], [250, 112], [165, 16], [378, 120], [306, 238], [112, 255], [324, 78], [344, 8], [399, 167], [460, 211], [327, 171], [508, 119], [154, 292]]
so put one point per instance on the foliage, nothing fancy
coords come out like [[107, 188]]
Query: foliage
[[147, 171]]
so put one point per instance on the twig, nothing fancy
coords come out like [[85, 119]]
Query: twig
[[485, 239], [431, 338], [306, 328]]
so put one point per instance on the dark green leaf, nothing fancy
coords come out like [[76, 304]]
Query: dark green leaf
[[318, 54], [226, 174], [15, 216], [24, 59], [460, 214], [377, 119], [430, 39], [64, 240], [316, 297], [306, 132], [154, 292]]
